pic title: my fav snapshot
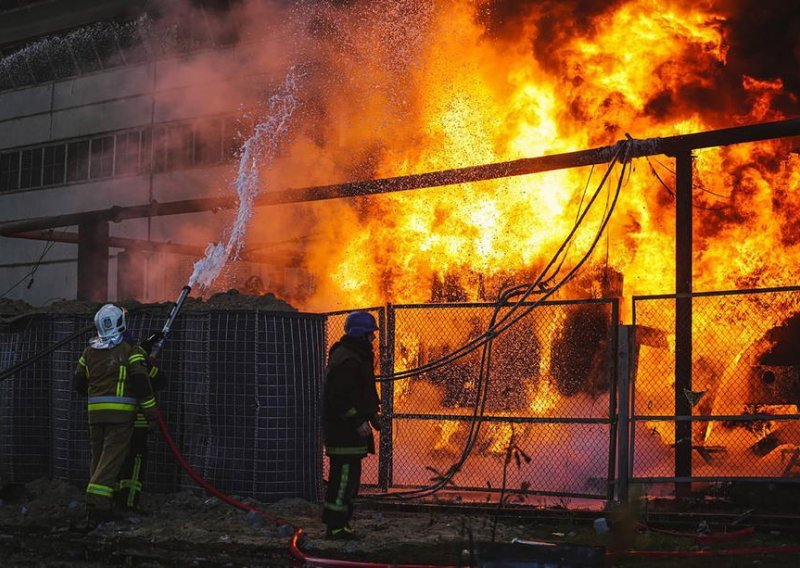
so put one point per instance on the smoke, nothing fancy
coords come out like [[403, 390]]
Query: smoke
[[400, 87]]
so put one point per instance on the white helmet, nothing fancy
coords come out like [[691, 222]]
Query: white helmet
[[110, 321]]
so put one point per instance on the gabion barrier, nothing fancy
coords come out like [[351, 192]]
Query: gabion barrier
[[727, 408], [25, 401], [242, 401]]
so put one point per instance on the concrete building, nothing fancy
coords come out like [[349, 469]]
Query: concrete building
[[97, 112]]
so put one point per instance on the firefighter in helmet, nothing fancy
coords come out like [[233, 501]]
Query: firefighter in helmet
[[349, 413], [112, 372]]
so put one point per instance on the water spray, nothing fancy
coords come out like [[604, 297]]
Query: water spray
[[170, 320]]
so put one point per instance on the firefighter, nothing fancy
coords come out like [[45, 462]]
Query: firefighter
[[131, 482], [113, 374], [349, 412]]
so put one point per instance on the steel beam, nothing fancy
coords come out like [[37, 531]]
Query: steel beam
[[252, 254], [653, 146]]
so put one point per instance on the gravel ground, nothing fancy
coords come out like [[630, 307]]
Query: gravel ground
[[41, 524]]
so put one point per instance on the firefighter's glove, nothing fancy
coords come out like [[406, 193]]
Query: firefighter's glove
[[151, 414], [148, 343], [375, 421], [364, 430]]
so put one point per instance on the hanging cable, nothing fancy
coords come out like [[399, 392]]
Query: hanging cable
[[482, 388], [477, 342], [48, 245]]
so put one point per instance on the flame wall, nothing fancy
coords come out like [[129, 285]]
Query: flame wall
[[398, 87]]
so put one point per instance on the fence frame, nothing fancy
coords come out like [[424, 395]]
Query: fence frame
[[680, 479], [622, 420], [387, 348]]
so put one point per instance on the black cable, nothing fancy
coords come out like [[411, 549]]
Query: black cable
[[14, 369], [48, 245], [10, 371], [485, 368], [481, 339], [695, 185]]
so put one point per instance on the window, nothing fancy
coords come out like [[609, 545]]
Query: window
[[172, 147], [146, 150], [9, 171], [165, 147], [126, 157], [78, 161], [53, 166], [101, 157], [208, 141], [31, 171]]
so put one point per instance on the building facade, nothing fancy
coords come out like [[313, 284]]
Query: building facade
[[98, 111]]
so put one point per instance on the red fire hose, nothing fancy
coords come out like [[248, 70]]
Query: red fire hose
[[294, 548], [300, 556], [703, 538]]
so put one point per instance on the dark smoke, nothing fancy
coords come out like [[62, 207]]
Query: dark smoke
[[764, 38]]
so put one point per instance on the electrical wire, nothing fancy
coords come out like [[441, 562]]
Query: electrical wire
[[48, 245], [695, 185], [482, 383], [491, 332]]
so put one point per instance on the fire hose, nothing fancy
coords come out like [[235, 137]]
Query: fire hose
[[297, 534], [297, 531]]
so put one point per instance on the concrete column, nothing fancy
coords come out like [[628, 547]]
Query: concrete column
[[93, 261]]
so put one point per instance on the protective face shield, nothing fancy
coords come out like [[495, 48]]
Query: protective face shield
[[110, 321], [360, 324]]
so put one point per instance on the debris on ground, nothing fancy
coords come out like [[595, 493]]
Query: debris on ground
[[42, 523]]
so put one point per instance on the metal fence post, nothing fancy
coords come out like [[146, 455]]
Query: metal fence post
[[385, 458], [683, 321], [623, 411], [612, 397]]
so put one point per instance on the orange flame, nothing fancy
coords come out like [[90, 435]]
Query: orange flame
[[464, 96]]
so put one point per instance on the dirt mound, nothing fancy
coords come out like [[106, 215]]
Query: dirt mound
[[235, 300], [230, 300], [10, 308]]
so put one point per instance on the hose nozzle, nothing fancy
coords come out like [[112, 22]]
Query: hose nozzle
[[170, 320]]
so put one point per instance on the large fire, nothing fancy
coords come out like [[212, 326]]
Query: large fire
[[455, 84], [414, 87]]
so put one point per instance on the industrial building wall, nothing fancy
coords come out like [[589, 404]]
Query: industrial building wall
[[106, 105]]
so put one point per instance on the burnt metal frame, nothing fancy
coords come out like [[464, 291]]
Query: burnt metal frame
[[683, 420]]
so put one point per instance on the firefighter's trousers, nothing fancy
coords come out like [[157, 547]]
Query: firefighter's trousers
[[132, 472], [110, 444], [344, 480]]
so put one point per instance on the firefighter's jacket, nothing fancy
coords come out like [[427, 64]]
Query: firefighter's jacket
[[350, 397], [116, 382]]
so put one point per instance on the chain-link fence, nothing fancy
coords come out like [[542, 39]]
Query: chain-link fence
[[550, 397], [714, 393], [716, 386]]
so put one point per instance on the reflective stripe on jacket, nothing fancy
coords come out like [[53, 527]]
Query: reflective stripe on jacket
[[116, 382]]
